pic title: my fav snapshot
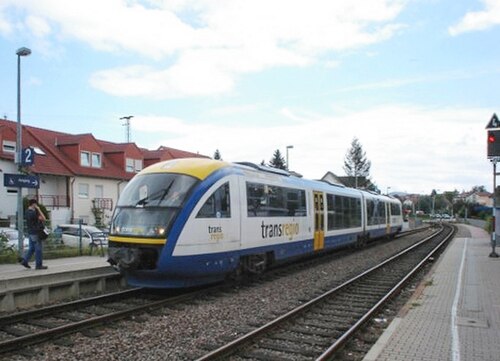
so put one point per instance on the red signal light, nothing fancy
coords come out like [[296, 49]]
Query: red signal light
[[491, 138]]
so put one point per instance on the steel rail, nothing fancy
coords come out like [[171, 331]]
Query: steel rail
[[45, 335], [328, 354], [26, 315], [230, 347]]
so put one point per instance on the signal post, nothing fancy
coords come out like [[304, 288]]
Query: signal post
[[493, 153]]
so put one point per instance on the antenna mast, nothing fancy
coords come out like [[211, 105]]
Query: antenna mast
[[127, 126]]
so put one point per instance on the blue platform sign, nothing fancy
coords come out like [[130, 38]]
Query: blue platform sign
[[28, 156], [21, 181]]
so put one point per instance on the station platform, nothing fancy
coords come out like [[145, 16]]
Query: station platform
[[455, 313], [64, 278]]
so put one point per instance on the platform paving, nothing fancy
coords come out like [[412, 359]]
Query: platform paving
[[57, 265], [455, 314], [63, 279]]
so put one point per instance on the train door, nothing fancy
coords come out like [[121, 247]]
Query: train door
[[319, 221], [387, 218]]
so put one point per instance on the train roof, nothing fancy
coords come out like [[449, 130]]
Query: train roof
[[201, 168]]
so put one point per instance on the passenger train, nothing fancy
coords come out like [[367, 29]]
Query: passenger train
[[194, 221]]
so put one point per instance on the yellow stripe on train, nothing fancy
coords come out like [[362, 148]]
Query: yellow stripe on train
[[196, 167], [154, 241]]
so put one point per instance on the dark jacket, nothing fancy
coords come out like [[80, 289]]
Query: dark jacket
[[32, 222]]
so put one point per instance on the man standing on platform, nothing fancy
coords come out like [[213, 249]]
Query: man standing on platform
[[34, 222]]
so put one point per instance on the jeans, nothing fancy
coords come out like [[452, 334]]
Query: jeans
[[35, 246]]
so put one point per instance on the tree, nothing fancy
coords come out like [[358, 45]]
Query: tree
[[357, 166], [277, 161], [217, 155], [478, 189]]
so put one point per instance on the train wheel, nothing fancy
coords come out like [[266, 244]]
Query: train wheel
[[254, 263]]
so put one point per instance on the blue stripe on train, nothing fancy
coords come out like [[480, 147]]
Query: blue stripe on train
[[189, 271]]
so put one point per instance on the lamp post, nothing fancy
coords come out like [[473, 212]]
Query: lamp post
[[288, 147], [19, 147], [387, 191]]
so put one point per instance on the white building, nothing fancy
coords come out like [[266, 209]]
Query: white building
[[80, 176]]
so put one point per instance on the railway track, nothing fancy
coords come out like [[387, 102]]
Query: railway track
[[318, 329], [35, 326], [19, 330]]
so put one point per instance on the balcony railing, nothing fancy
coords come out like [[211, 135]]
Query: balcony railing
[[103, 203], [54, 201], [60, 201]]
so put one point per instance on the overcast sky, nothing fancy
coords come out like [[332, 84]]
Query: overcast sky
[[416, 81]]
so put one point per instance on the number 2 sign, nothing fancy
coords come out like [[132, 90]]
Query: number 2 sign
[[28, 156]]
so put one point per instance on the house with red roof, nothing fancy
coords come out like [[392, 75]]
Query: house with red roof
[[80, 176]]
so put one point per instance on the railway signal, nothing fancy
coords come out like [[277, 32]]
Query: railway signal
[[493, 154], [493, 140]]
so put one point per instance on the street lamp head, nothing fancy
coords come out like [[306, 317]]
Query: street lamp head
[[289, 147], [23, 51]]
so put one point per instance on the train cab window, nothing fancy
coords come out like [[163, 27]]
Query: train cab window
[[150, 203], [217, 205]]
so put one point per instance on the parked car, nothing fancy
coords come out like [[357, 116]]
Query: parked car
[[13, 237], [90, 235]]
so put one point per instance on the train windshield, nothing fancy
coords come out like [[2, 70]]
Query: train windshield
[[150, 203]]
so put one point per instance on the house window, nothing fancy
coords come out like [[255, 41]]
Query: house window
[[83, 190], [96, 160], [99, 191], [138, 165], [133, 165], [38, 151], [9, 146], [129, 165], [85, 159]]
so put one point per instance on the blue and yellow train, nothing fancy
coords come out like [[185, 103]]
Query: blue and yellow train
[[189, 222]]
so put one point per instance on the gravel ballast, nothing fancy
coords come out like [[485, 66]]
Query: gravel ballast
[[189, 331]]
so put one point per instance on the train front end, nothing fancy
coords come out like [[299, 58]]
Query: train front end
[[152, 206]]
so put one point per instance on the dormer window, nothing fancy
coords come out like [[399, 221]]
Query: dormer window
[[138, 165], [129, 165], [38, 151], [9, 146], [85, 159], [96, 160], [133, 165], [88, 159]]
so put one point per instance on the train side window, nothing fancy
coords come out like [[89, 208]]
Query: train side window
[[395, 209], [265, 200], [371, 212], [381, 212], [343, 212], [330, 211], [218, 205]]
